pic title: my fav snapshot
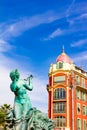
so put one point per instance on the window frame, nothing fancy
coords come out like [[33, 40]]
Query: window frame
[[83, 96], [59, 107], [78, 94], [60, 121], [83, 82], [78, 105], [79, 124], [59, 94], [84, 109], [59, 65]]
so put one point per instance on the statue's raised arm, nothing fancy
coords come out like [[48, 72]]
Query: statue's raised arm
[[29, 84]]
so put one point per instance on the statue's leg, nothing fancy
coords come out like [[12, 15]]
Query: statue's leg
[[18, 124], [26, 109], [18, 115]]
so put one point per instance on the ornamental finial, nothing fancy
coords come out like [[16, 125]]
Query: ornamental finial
[[63, 49]]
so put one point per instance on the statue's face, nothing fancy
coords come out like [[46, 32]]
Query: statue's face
[[14, 75], [17, 77]]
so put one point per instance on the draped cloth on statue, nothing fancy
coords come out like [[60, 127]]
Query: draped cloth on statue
[[36, 120]]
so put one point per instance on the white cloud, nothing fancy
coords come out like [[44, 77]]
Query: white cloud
[[54, 34], [80, 59], [79, 43], [39, 94], [58, 32], [75, 12], [17, 27], [82, 16], [68, 12], [72, 29], [5, 46], [5, 95]]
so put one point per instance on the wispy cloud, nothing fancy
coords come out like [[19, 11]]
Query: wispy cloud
[[80, 59], [54, 34], [80, 56], [82, 16], [79, 43], [76, 12], [68, 12], [5, 46], [67, 31], [17, 27]]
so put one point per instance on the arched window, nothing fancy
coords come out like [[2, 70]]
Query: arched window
[[59, 93], [60, 121]]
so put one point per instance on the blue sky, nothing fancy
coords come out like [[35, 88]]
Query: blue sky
[[32, 33]]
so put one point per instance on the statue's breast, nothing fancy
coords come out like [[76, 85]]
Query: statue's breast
[[21, 93]]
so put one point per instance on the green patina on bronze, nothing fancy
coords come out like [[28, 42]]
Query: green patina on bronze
[[23, 116]]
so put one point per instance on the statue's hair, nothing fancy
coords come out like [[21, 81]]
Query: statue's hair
[[14, 73]]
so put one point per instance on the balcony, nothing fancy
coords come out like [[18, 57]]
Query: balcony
[[81, 86], [59, 111], [65, 128]]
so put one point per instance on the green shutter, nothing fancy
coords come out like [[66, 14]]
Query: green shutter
[[60, 65], [86, 110], [84, 124], [79, 124], [57, 65], [78, 94]]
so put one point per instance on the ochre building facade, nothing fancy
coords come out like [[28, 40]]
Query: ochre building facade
[[67, 95]]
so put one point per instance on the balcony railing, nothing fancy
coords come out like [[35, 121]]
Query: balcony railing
[[59, 111], [81, 85], [59, 98], [62, 128]]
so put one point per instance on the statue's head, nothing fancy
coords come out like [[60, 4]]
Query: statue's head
[[14, 74]]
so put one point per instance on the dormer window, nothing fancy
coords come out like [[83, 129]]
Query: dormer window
[[59, 65]]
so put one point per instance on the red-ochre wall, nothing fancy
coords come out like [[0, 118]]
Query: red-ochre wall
[[50, 98]]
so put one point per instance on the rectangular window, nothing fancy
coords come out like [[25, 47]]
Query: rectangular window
[[84, 110], [59, 65], [60, 121], [83, 96], [77, 80], [78, 108], [59, 107], [84, 124], [78, 94], [83, 82], [79, 124], [59, 79], [59, 94]]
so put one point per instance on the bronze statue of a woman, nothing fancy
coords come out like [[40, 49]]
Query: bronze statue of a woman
[[23, 116]]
